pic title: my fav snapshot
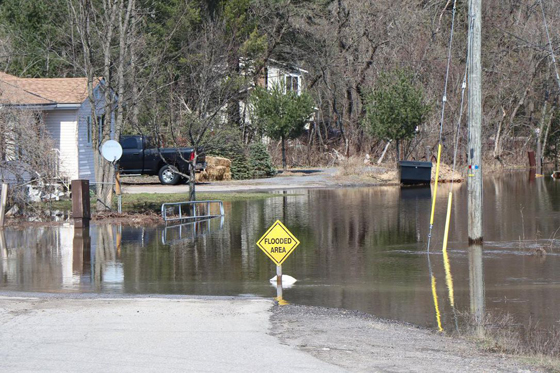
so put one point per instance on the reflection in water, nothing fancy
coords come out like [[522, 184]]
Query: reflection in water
[[280, 293], [446, 263], [447, 266], [476, 285], [362, 249], [175, 234], [81, 253], [3, 254], [434, 294]]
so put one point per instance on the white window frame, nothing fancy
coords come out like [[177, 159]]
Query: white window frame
[[291, 78], [89, 130]]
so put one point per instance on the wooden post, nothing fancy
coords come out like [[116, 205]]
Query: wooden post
[[279, 275], [80, 203], [118, 189], [532, 159], [279, 294], [3, 203], [475, 126], [539, 154]]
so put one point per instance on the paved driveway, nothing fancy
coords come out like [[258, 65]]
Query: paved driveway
[[294, 180]]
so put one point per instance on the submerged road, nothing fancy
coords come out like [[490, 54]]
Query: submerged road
[[144, 335]]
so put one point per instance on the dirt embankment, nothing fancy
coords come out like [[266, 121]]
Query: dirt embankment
[[359, 342], [389, 173]]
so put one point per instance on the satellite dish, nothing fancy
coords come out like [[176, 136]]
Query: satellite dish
[[111, 150]]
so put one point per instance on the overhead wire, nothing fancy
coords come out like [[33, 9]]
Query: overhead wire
[[550, 44], [446, 262], [443, 102]]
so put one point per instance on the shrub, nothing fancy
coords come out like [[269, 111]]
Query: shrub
[[230, 146], [260, 161]]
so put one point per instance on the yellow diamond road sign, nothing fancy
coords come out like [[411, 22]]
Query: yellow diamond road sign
[[278, 242]]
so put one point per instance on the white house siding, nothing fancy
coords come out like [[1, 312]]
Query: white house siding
[[85, 150], [86, 165], [276, 77], [61, 125]]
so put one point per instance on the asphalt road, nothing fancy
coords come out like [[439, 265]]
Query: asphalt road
[[80, 334], [92, 333]]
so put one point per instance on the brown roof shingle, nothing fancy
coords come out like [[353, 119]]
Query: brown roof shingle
[[34, 91]]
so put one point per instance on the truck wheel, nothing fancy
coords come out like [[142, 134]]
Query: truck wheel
[[168, 176]]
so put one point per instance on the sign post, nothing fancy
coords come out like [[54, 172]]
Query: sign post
[[112, 151], [278, 243]]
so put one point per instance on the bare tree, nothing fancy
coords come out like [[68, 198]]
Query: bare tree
[[105, 30], [198, 100], [27, 158]]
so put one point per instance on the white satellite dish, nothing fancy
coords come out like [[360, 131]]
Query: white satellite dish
[[111, 150]]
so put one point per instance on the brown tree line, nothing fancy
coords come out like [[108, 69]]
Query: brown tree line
[[182, 69]]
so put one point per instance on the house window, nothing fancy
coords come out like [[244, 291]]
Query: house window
[[100, 124], [292, 83], [89, 131]]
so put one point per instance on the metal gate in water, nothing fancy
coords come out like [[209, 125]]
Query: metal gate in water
[[197, 210]]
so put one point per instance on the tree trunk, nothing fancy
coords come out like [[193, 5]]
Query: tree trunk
[[540, 136], [104, 173], [284, 153], [384, 151], [133, 76], [398, 151], [192, 180], [233, 109], [124, 36], [497, 144], [547, 132]]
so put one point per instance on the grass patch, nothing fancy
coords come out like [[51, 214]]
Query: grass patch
[[143, 202], [499, 333]]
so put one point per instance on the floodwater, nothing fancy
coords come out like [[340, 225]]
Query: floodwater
[[361, 249]]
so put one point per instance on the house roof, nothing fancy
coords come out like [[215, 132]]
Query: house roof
[[41, 91]]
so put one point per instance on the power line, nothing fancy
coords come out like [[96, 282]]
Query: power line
[[550, 44]]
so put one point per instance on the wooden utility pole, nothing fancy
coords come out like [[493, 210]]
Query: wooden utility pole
[[476, 270], [475, 125]]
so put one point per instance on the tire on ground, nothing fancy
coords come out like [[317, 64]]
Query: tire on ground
[[168, 176]]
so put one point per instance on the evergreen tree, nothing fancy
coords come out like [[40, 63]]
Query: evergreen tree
[[281, 115], [259, 161], [395, 107]]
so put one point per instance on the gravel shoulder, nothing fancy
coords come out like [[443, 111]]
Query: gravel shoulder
[[359, 342]]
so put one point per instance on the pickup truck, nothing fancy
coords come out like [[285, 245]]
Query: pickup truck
[[141, 156]]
